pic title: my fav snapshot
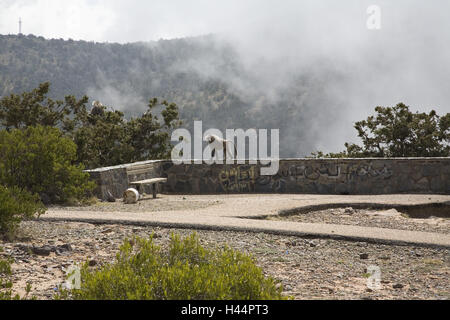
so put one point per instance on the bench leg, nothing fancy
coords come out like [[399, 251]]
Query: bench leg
[[154, 190]]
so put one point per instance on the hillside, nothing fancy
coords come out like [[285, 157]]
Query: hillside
[[205, 77]]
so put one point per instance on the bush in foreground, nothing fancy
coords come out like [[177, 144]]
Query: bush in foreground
[[187, 271]]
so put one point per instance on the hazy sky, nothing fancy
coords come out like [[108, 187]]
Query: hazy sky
[[139, 20], [126, 20], [407, 60]]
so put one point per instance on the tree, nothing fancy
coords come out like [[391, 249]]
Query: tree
[[102, 138], [107, 139], [398, 132], [35, 108], [149, 137]]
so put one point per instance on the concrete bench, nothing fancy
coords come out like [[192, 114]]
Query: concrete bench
[[153, 182]]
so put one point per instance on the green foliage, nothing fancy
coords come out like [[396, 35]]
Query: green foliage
[[101, 139], [186, 271], [108, 139], [40, 160], [34, 108], [15, 206], [398, 132]]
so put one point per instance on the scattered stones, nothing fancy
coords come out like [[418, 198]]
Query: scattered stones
[[45, 250], [390, 219]]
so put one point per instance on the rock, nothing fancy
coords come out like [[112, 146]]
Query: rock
[[92, 263], [292, 243], [312, 243], [42, 251], [398, 286], [349, 210], [364, 256], [63, 249], [287, 287]]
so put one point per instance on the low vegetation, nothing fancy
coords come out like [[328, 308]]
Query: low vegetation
[[17, 205], [187, 270]]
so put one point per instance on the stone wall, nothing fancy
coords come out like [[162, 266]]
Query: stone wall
[[320, 176]]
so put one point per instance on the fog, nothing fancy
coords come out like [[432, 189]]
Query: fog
[[349, 69]]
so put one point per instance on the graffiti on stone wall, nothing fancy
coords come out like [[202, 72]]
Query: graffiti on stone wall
[[245, 178], [238, 179], [367, 170]]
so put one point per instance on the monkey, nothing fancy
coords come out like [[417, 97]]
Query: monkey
[[217, 143], [97, 109]]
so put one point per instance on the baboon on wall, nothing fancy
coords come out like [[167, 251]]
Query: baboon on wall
[[217, 143]]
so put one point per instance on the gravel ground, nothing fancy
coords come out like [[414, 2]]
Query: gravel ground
[[307, 268], [146, 204], [391, 219]]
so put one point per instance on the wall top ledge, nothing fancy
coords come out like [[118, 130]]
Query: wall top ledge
[[127, 165]]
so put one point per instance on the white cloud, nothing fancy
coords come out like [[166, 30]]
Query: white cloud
[[87, 20]]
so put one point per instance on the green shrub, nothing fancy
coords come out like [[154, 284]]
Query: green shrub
[[40, 160], [186, 271], [15, 206]]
